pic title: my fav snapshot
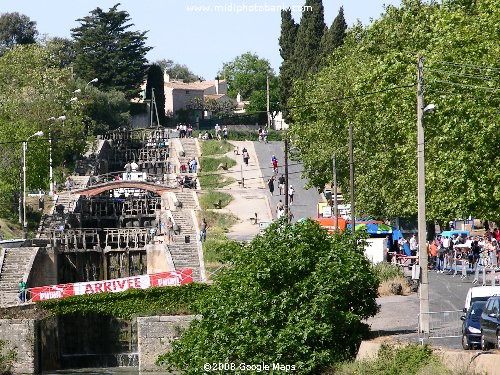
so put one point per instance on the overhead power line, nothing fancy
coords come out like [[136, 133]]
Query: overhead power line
[[489, 89], [464, 75], [468, 65]]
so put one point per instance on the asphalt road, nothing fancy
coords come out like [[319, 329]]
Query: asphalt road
[[305, 201]]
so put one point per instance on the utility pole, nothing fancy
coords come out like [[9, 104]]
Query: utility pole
[[286, 175], [422, 243], [334, 194], [267, 98], [351, 178]]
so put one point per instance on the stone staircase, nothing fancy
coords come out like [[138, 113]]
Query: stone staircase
[[187, 198], [185, 254], [16, 265], [55, 220], [80, 182], [190, 150]]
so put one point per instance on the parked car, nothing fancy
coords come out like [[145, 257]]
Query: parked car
[[480, 293], [471, 326], [490, 324]]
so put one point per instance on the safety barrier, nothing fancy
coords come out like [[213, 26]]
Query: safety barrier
[[442, 324]]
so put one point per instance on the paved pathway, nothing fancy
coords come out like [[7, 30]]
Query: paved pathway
[[305, 201]]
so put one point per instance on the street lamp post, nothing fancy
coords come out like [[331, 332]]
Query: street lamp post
[[422, 230], [25, 146], [51, 170], [95, 80]]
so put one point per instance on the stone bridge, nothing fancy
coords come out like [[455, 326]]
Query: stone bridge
[[112, 185]]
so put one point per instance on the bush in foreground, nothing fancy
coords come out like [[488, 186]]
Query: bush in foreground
[[295, 296]]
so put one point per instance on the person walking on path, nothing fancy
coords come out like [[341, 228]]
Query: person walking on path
[[270, 184], [203, 230], [280, 209], [281, 184], [291, 193], [246, 156], [274, 162]]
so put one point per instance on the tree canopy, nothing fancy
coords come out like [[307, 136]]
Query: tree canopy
[[178, 71], [245, 74], [155, 81], [15, 29], [307, 52], [295, 296], [105, 48], [28, 98], [461, 46]]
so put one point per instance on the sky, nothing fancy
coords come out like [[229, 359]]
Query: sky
[[202, 34]]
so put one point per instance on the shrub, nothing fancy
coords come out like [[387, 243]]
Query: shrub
[[171, 300], [392, 360], [295, 295], [386, 271]]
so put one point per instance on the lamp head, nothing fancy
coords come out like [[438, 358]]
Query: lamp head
[[73, 99], [38, 134], [95, 80], [61, 118], [77, 91]]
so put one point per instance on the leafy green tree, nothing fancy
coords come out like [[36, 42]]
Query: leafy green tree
[[105, 111], [245, 74], [155, 81], [28, 98], [295, 295], [62, 51], [308, 43], [106, 48], [461, 143], [15, 29], [258, 99], [334, 36], [287, 48], [178, 71]]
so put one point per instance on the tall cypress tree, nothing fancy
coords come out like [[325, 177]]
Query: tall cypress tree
[[287, 48], [105, 48], [308, 45], [334, 37], [155, 81]]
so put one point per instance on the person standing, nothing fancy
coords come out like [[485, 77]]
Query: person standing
[[246, 156], [203, 230], [274, 162], [170, 230], [270, 184], [134, 166], [225, 132], [413, 245], [128, 170], [291, 193], [22, 290], [281, 184]]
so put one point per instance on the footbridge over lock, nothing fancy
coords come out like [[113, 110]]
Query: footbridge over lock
[[97, 189]]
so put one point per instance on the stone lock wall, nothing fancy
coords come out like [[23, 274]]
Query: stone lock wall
[[22, 336], [155, 335]]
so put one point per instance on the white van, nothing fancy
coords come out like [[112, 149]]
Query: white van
[[480, 293]]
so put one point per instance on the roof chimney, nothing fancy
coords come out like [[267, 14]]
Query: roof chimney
[[166, 77]]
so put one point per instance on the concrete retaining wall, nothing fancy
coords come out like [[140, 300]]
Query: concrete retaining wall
[[22, 336], [155, 335]]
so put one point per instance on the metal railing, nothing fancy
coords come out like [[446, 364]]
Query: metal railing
[[442, 325]]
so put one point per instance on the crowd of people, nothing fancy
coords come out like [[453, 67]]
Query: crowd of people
[[185, 131], [446, 252]]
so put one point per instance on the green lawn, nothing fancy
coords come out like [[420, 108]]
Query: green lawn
[[208, 199], [213, 147], [211, 164]]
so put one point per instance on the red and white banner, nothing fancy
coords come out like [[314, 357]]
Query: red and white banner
[[174, 278]]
